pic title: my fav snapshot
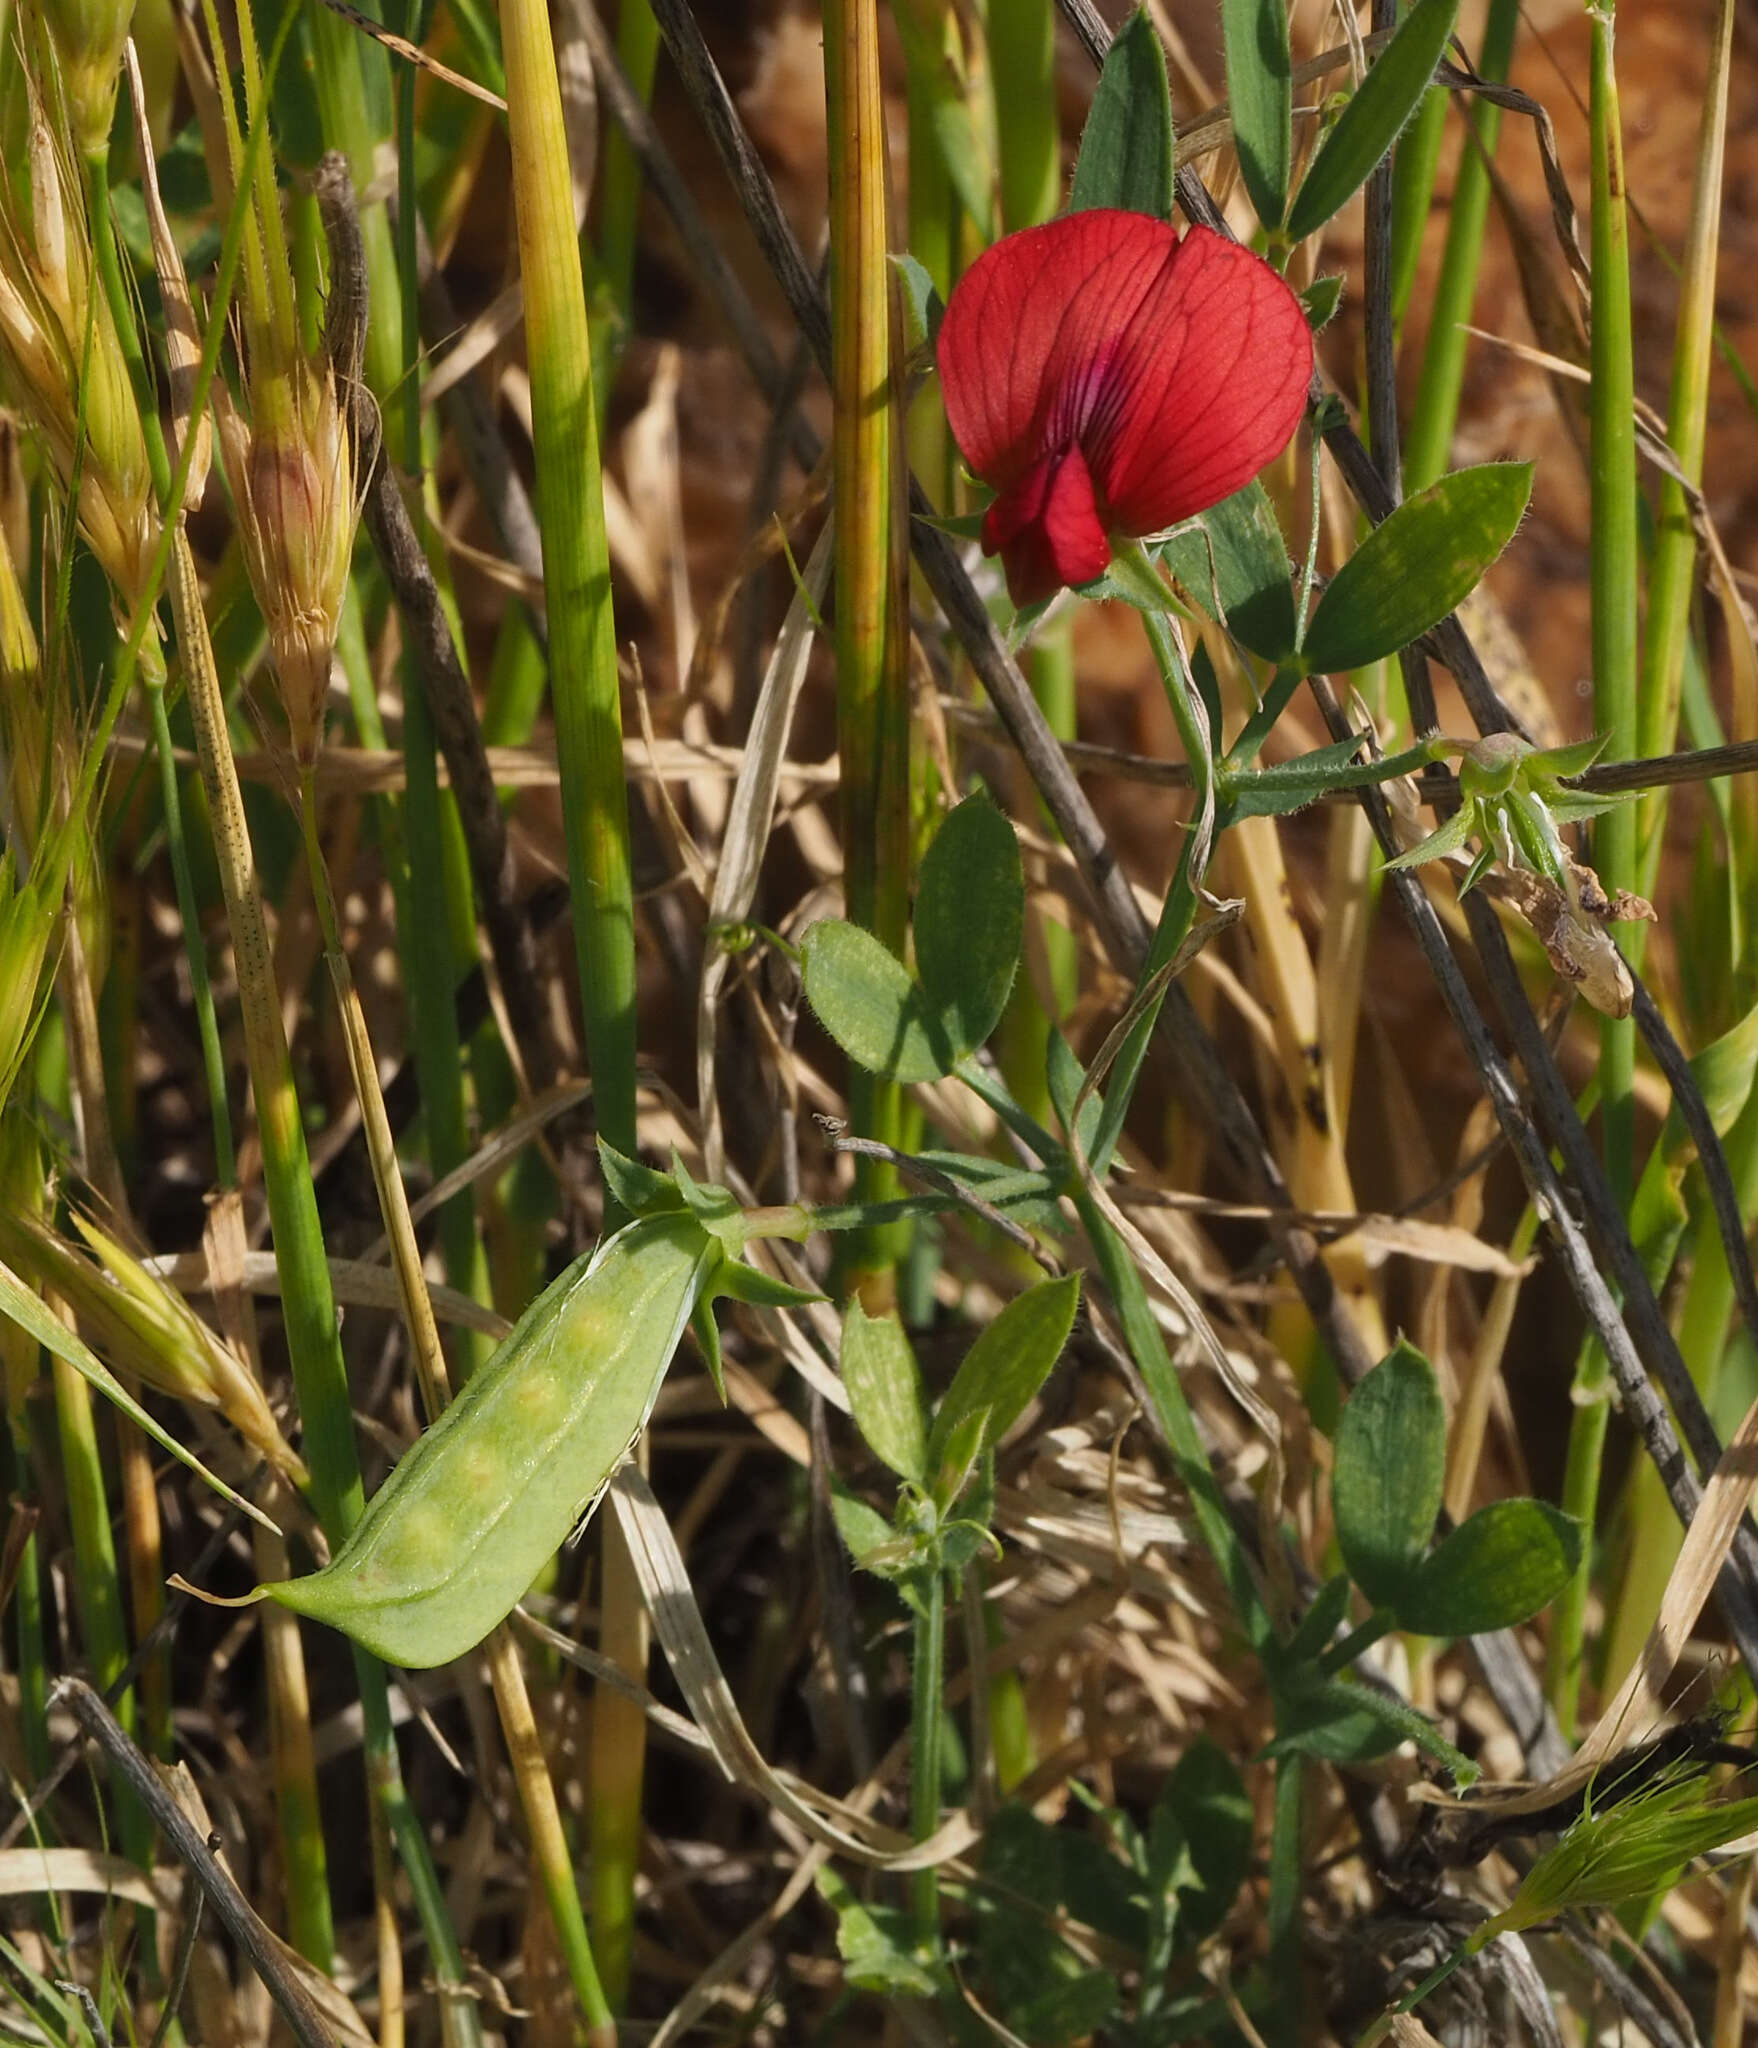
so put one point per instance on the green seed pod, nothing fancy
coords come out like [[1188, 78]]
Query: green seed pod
[[456, 1535]]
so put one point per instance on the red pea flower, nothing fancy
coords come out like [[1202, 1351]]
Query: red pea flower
[[1107, 377]]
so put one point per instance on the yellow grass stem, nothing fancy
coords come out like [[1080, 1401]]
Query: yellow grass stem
[[871, 626], [588, 715], [576, 566], [293, 1764]]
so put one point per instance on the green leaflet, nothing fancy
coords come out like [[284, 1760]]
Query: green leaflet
[[465, 1522], [1260, 91], [1126, 149]]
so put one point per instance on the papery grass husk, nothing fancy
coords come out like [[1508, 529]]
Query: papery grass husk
[[290, 464], [143, 1326], [61, 361]]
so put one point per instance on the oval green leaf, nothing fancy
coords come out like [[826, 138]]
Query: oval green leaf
[[1342, 1723], [969, 922], [1374, 118], [1234, 565], [1200, 1838], [1388, 1473], [864, 997], [1413, 570], [885, 1391], [1260, 95], [1494, 1571], [1126, 148], [1007, 1365]]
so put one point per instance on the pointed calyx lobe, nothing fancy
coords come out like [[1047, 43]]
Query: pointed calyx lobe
[[1106, 376]]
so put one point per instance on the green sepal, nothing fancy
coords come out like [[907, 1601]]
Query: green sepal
[[757, 1289], [1447, 839], [708, 1336], [639, 1190]]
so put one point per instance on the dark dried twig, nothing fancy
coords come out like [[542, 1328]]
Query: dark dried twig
[[1641, 1404], [956, 1191], [1723, 1195], [295, 2003], [1650, 2019]]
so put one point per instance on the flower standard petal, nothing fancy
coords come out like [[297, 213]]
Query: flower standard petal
[[1030, 325], [1208, 386]]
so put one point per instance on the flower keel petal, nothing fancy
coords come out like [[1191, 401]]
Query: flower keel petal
[[1047, 530]]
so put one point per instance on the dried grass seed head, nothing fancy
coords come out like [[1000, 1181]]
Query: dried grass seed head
[[139, 1323], [61, 363], [290, 465]]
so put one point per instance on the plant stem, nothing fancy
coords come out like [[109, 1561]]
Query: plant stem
[[1428, 445], [1614, 579], [619, 188], [1340, 1655], [314, 1349], [431, 970], [576, 569], [1179, 909], [1287, 1881], [1672, 566], [872, 707], [927, 1704], [1177, 1424], [1414, 165], [584, 691], [1022, 66]]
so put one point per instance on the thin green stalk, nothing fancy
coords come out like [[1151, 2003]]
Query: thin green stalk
[[576, 568], [1672, 565], [1173, 1416], [430, 965], [308, 1305], [1428, 444], [152, 674], [1287, 1883], [927, 1705], [589, 730], [1614, 570], [213, 1058], [1179, 910], [872, 707], [1414, 166], [1022, 66], [97, 1580], [619, 188], [1616, 561], [31, 1663]]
